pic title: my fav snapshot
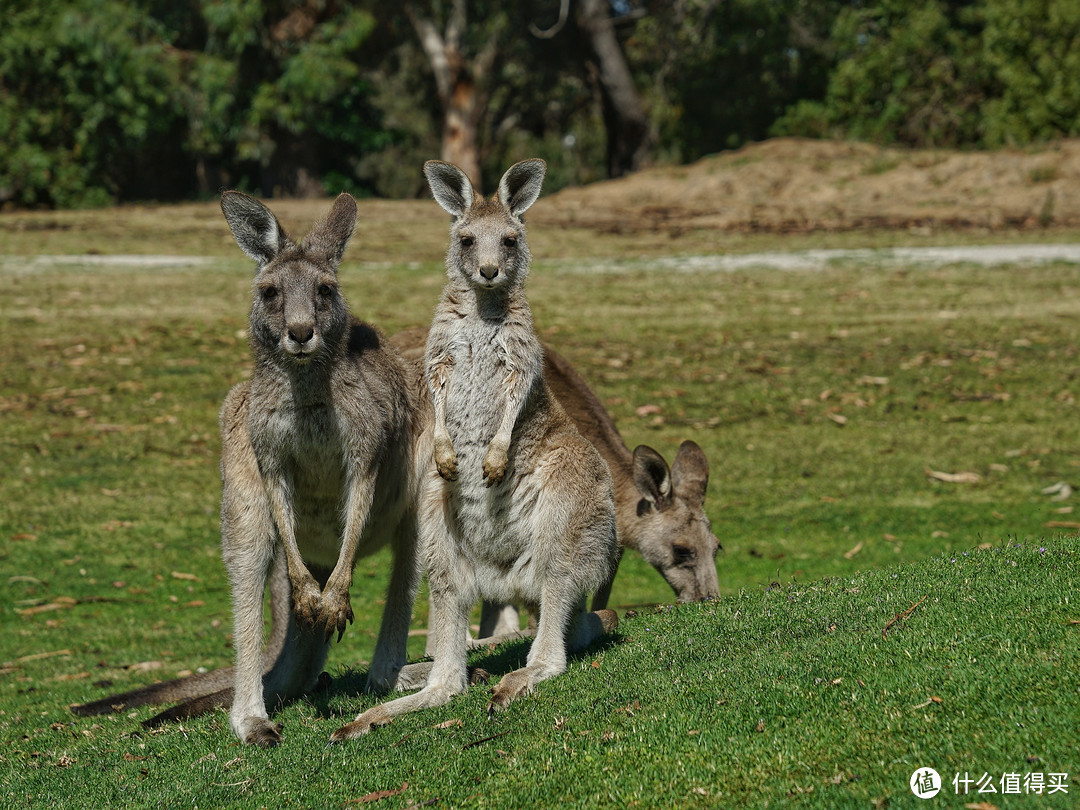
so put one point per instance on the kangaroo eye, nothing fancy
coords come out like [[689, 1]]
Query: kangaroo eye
[[466, 241], [682, 554], [324, 290], [510, 241], [269, 293]]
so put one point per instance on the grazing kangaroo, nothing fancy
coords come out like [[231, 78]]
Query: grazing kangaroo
[[517, 505], [659, 511], [317, 469]]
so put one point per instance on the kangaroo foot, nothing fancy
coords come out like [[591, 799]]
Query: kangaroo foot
[[375, 716], [512, 686], [262, 732]]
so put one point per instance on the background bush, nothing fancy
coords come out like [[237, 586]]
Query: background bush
[[111, 100]]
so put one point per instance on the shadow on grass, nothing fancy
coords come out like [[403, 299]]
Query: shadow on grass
[[485, 668]]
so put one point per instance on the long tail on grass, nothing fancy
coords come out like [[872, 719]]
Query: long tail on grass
[[205, 691]]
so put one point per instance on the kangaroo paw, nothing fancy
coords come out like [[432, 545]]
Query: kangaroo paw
[[337, 613], [446, 460], [375, 716], [494, 465], [512, 686], [264, 734]]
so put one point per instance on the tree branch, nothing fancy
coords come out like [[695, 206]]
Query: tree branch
[[564, 14]]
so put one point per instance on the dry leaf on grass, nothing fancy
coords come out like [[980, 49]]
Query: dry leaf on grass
[[851, 554], [379, 794], [1061, 491], [966, 477], [456, 721]]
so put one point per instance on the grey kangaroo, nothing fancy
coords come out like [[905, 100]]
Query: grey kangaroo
[[517, 504], [660, 511], [317, 470]]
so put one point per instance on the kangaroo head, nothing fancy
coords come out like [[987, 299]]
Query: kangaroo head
[[674, 533], [298, 314], [487, 237]]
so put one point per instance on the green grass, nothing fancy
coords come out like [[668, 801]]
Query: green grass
[[821, 399]]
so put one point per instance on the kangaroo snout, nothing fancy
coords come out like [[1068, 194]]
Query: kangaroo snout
[[300, 339], [489, 271]]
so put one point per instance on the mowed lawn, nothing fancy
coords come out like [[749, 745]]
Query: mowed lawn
[[893, 454]]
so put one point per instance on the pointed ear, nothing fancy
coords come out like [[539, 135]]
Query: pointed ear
[[652, 478], [520, 186], [450, 186], [690, 474], [331, 234], [255, 228]]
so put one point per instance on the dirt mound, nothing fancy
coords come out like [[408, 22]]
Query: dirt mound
[[790, 184]]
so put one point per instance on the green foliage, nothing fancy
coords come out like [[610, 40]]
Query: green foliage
[[87, 93], [940, 73], [905, 73], [719, 74], [1031, 47]]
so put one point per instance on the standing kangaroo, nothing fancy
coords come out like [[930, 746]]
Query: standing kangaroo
[[317, 470], [660, 511], [317, 464], [517, 505]]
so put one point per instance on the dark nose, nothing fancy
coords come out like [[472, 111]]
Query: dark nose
[[301, 334], [489, 271]]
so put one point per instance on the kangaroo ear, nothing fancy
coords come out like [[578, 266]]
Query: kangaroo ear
[[255, 228], [450, 186], [331, 234], [520, 186], [690, 474], [652, 478]]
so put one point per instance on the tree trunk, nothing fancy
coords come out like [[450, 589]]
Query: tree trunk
[[459, 84], [461, 121], [624, 117], [292, 170]]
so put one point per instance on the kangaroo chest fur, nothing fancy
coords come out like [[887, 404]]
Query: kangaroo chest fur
[[494, 523], [313, 443]]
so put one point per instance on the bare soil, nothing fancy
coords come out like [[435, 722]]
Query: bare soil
[[826, 190], [791, 184]]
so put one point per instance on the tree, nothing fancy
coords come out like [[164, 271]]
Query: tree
[[463, 58], [88, 98], [277, 96]]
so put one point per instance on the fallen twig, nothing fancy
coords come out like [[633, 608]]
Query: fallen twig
[[475, 743], [900, 617]]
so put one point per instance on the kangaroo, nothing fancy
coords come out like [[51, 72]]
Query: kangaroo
[[517, 504], [318, 469], [660, 511]]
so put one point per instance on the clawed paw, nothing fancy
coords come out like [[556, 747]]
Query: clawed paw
[[446, 460], [264, 735], [307, 603], [375, 716], [494, 465], [512, 686]]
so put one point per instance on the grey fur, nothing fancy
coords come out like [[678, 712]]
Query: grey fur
[[317, 465]]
